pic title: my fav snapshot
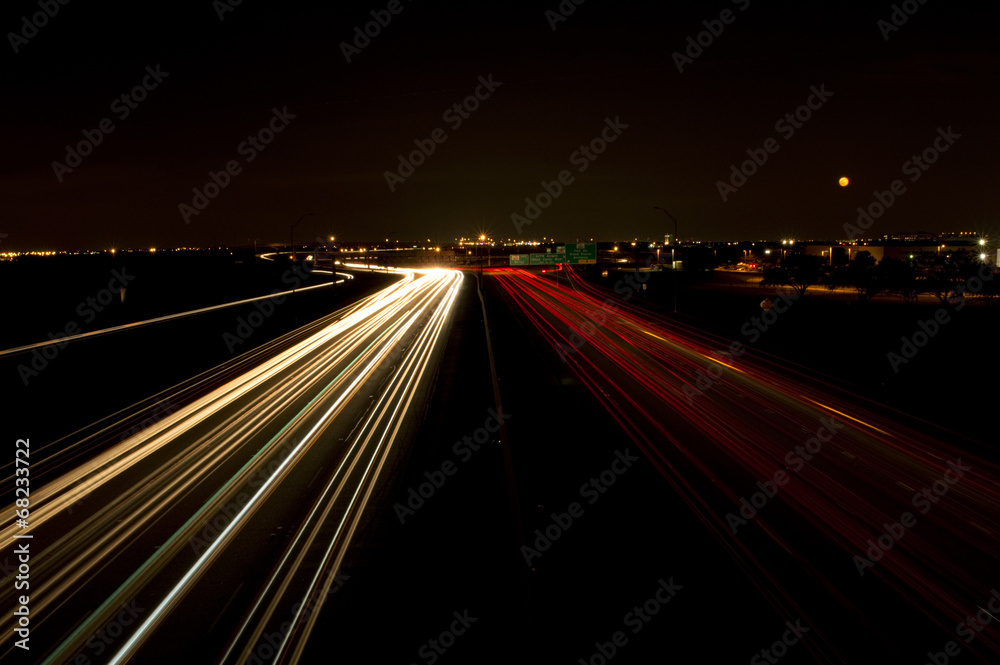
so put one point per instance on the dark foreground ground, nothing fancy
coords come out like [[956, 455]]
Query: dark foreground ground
[[950, 381], [456, 554]]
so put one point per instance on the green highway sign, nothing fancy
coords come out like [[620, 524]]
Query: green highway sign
[[546, 259], [581, 252], [520, 259]]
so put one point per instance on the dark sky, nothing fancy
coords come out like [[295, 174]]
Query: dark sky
[[606, 60]]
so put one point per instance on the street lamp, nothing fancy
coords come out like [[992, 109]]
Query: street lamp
[[673, 262], [291, 232]]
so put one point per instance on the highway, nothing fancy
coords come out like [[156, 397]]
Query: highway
[[797, 480], [148, 547]]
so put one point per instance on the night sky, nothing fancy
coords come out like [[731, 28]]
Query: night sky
[[346, 122]]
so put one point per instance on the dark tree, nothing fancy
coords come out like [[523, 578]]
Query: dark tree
[[898, 278], [698, 258], [798, 271], [942, 275], [860, 274]]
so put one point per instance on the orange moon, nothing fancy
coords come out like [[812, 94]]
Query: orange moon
[[843, 181]]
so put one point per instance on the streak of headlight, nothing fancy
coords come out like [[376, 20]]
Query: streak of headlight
[[50, 507], [418, 356], [169, 317], [161, 610], [118, 459], [224, 535], [443, 308], [318, 339], [844, 415]]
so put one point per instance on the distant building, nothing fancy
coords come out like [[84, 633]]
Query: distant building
[[959, 235], [911, 236], [840, 253]]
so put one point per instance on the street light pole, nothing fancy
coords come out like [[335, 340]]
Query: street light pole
[[673, 262], [291, 232]]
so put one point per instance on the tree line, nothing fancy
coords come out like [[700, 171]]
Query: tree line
[[947, 277]]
